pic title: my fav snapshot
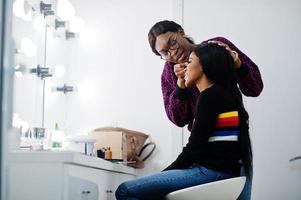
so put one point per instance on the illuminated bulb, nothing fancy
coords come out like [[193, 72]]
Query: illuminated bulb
[[20, 70], [16, 120], [17, 67], [27, 8], [65, 10], [18, 73], [59, 71], [19, 123], [39, 24], [22, 9], [18, 8], [27, 12], [28, 47], [76, 24]]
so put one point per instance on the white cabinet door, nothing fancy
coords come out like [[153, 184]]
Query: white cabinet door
[[81, 189], [115, 180], [36, 181], [104, 179]]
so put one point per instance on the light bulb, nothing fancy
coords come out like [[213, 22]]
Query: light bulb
[[16, 120], [17, 67], [19, 123], [28, 47], [39, 24], [27, 12], [20, 70], [65, 10], [59, 71], [76, 24], [22, 9], [18, 8], [18, 74]]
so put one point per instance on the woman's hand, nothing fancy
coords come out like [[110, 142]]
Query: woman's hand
[[179, 70], [234, 54]]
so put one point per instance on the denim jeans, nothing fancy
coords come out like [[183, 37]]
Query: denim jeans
[[156, 186]]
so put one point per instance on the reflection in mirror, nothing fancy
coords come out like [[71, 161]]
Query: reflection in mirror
[[31, 26], [28, 34], [41, 31]]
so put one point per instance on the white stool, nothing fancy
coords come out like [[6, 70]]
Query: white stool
[[228, 189]]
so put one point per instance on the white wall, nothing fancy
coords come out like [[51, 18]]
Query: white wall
[[269, 32]]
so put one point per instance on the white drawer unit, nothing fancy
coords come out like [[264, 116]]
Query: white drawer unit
[[47, 175], [81, 189], [107, 181]]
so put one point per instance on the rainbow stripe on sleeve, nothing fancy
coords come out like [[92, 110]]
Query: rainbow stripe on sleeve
[[226, 127]]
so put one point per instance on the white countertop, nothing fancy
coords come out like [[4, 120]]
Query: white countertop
[[70, 158]]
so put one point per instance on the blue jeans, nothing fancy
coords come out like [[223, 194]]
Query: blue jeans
[[156, 186]]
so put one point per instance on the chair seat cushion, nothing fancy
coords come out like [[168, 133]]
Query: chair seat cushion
[[228, 189]]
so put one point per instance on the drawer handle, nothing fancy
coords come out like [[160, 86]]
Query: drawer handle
[[86, 192], [109, 191]]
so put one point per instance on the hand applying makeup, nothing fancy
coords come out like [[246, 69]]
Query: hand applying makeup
[[179, 70]]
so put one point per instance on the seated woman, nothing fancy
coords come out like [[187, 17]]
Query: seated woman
[[219, 142]]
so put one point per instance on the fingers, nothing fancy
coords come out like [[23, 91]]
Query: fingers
[[234, 54], [179, 70], [180, 65], [180, 73], [220, 44]]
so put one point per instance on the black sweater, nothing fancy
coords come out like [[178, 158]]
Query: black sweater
[[213, 142]]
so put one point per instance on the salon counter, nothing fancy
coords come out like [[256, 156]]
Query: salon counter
[[64, 175]]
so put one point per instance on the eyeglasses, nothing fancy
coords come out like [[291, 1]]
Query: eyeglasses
[[173, 46]]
